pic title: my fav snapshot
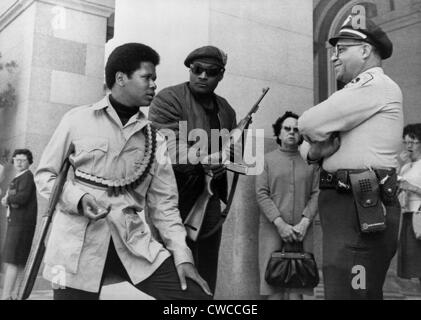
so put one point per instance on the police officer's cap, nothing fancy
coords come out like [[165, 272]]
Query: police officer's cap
[[208, 54], [353, 28]]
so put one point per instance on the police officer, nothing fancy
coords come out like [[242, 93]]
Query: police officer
[[356, 135]]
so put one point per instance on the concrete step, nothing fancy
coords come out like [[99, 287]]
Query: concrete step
[[394, 289], [116, 291], [387, 295]]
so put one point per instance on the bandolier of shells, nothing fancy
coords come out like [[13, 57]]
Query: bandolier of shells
[[142, 167]]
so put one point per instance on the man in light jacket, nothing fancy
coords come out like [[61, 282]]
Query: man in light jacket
[[122, 179]]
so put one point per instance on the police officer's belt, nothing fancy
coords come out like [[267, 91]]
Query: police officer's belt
[[371, 190], [339, 180]]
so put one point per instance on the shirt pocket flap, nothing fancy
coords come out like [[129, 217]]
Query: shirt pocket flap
[[91, 144]]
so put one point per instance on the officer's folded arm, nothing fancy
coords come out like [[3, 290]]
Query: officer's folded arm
[[314, 152]]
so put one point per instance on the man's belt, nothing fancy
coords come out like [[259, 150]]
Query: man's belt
[[339, 180], [371, 190]]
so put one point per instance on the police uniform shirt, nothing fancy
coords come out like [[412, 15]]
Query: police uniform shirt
[[368, 114]]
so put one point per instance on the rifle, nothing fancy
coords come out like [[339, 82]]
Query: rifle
[[194, 219], [37, 252]]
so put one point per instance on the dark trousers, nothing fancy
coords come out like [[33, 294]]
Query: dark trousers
[[409, 249], [205, 254], [163, 284], [206, 251], [346, 249]]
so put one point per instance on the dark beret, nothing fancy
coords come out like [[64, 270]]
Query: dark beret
[[372, 34], [209, 54]]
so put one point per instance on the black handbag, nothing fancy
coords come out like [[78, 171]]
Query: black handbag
[[294, 270]]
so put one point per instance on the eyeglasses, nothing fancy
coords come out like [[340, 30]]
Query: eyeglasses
[[340, 48], [407, 143], [210, 72], [20, 160], [286, 128]]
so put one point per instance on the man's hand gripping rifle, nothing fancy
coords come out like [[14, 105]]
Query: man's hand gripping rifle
[[194, 220]]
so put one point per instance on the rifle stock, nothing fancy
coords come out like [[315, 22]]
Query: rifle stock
[[194, 219], [37, 252]]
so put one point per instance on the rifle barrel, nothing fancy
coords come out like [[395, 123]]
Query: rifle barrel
[[37, 252], [256, 105]]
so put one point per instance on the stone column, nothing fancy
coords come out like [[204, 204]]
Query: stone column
[[269, 44]]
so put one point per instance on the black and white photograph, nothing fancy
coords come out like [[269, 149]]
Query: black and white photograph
[[232, 151]]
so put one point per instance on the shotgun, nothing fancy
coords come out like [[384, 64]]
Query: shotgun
[[194, 219], [37, 252]]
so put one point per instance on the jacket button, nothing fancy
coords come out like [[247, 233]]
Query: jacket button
[[368, 202]]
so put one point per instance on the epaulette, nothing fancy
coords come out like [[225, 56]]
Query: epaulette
[[360, 80]]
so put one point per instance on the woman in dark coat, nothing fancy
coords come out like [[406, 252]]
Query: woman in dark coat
[[21, 200]]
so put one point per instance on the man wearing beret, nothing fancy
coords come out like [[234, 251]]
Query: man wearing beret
[[183, 108], [356, 135]]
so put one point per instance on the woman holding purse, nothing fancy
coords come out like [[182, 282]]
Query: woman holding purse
[[287, 193], [409, 249]]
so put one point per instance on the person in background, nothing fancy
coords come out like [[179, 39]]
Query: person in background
[[409, 248], [2, 170], [287, 193], [21, 200], [195, 103]]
